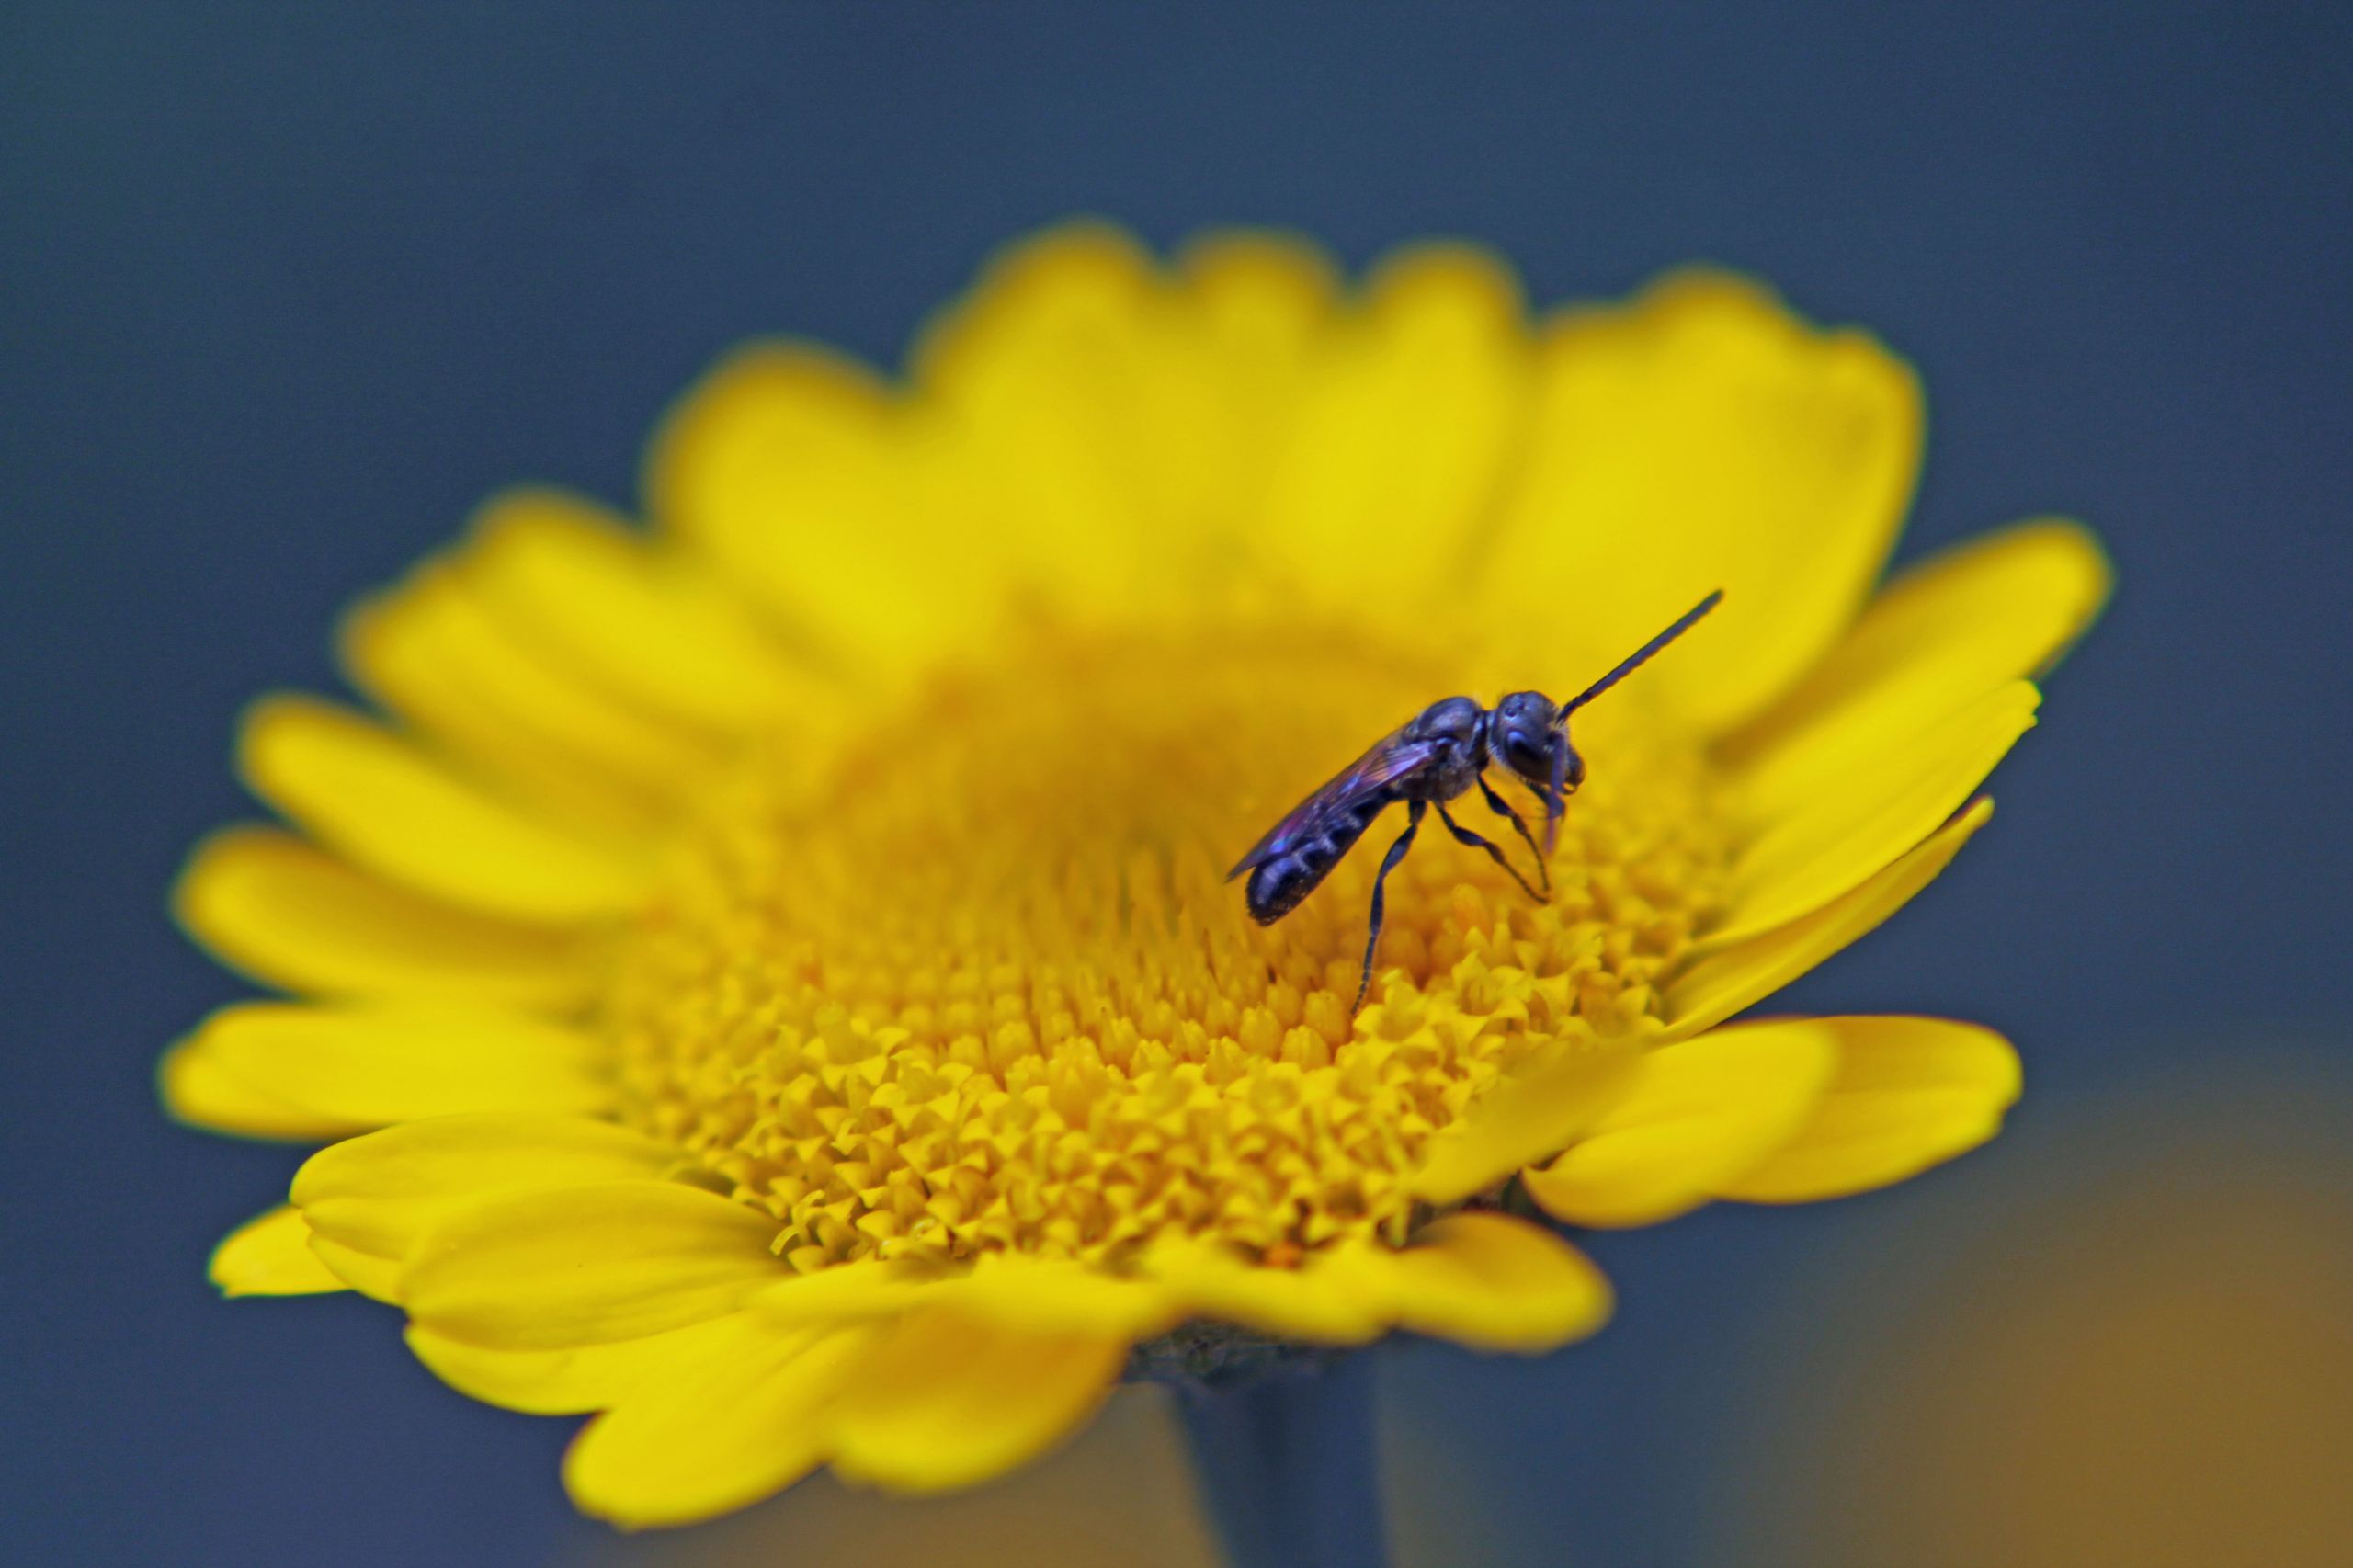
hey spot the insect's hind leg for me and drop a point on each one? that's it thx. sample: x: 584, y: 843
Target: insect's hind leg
x: 1503, y: 808
x: 1388, y: 864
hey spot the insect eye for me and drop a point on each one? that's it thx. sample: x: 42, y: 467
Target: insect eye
x: 1521, y: 755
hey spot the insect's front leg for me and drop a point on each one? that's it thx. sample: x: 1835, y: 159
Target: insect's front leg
x: 1388, y: 863
x: 1503, y: 808
x: 1556, y: 798
x: 1494, y: 851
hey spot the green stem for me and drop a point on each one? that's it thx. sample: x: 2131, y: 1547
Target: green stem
x: 1287, y: 1466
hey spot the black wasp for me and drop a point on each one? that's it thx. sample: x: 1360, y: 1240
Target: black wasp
x: 1440, y: 753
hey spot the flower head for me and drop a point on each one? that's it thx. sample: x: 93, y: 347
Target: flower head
x: 768, y: 977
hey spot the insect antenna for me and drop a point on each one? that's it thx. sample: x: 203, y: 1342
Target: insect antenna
x: 1682, y: 625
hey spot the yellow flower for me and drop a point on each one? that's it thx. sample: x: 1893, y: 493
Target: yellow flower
x: 771, y: 973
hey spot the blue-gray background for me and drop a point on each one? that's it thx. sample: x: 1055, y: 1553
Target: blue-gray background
x: 284, y: 290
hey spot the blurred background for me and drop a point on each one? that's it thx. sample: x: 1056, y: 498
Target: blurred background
x: 284, y: 290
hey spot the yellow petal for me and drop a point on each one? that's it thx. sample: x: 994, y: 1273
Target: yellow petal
x: 1083, y: 410
x: 1046, y: 1295
x: 1490, y: 1282
x: 1697, y: 1114
x: 1872, y: 813
x: 430, y: 651
x: 1520, y: 1119
x: 1909, y: 1093
x: 1089, y: 396
x: 1260, y: 305
x: 1725, y: 982
x: 849, y: 1292
x: 1941, y: 637
x: 357, y: 1067
x: 379, y: 801
x: 588, y: 1264
x: 1409, y: 424
x: 567, y: 1381
x: 378, y: 1194
x: 1049, y: 377
x: 199, y: 1089
x: 1309, y: 1304
x: 738, y: 1417
x: 379, y: 1278
x: 271, y: 905
x: 1702, y: 437
x: 415, y: 677
x: 270, y: 1256
x: 1263, y: 298
x: 788, y: 467
x: 638, y: 620
x: 946, y: 1400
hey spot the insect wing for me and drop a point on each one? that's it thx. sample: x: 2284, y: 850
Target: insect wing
x: 1389, y: 759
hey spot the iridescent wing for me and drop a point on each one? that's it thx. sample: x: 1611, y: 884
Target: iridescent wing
x: 1391, y: 758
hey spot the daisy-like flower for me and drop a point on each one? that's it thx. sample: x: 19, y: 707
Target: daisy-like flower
x: 766, y: 976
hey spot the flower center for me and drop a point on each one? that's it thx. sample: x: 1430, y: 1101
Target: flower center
x: 970, y: 978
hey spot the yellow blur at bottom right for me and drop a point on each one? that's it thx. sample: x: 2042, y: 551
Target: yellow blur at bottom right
x: 2127, y: 1340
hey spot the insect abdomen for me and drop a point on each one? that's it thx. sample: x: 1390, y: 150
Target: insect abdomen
x: 1278, y: 882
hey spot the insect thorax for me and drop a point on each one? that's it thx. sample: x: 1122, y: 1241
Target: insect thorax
x: 1460, y: 726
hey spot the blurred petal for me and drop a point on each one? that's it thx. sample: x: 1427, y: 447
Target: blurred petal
x: 275, y: 907
x: 1073, y: 417
x: 634, y: 617
x: 735, y: 1416
x: 379, y: 1193
x: 1872, y: 813
x: 1941, y: 636
x: 379, y: 1278
x: 946, y: 1400
x: 1260, y: 305
x: 1488, y: 1280
x: 1047, y: 1296
x: 1026, y: 1294
x: 199, y: 1089
x: 588, y: 1264
x: 568, y: 1382
x: 1725, y: 982
x: 1908, y: 1093
x: 1697, y: 1114
x: 433, y: 652
x: 1702, y: 436
x: 270, y: 1256
x: 1309, y: 1303
x: 461, y: 718
x: 365, y: 1067
x: 1263, y: 298
x: 1522, y: 1119
x: 376, y: 799
x: 1410, y: 419
x: 788, y: 467
x: 850, y: 1292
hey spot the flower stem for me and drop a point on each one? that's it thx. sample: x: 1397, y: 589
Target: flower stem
x: 1287, y: 1469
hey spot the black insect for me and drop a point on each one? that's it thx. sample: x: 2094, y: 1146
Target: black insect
x: 1440, y: 753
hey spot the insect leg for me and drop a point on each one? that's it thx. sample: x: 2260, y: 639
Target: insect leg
x: 1388, y: 864
x: 1503, y: 808
x: 1555, y: 798
x: 1494, y: 851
